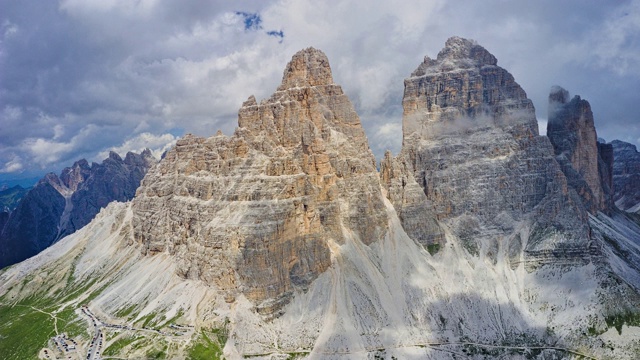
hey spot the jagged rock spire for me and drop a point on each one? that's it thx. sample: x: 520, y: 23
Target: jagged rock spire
x: 457, y: 48
x: 572, y: 133
x: 308, y: 67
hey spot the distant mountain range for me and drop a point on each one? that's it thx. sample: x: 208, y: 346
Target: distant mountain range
x: 29, y: 182
x: 59, y: 205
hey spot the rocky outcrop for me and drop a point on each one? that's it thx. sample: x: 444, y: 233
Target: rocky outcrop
x: 626, y: 176
x: 114, y: 179
x: 471, y: 142
x: 59, y: 205
x: 414, y: 209
x: 258, y: 212
x: 572, y: 133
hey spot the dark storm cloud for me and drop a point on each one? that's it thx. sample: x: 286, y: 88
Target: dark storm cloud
x: 80, y: 77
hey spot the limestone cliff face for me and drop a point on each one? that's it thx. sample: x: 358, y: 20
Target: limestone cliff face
x: 462, y: 88
x: 415, y: 210
x: 572, y: 133
x: 470, y: 141
x: 626, y: 176
x: 258, y: 212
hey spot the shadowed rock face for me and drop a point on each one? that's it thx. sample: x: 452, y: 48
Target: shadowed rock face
x: 470, y: 141
x: 113, y: 180
x: 257, y: 213
x: 626, y: 176
x: 33, y: 225
x: 59, y: 205
x: 572, y: 133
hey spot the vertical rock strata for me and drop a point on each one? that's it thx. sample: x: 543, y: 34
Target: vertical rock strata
x: 605, y: 170
x: 572, y: 133
x: 471, y: 142
x: 258, y: 212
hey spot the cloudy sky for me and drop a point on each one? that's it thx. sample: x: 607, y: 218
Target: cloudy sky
x: 81, y: 77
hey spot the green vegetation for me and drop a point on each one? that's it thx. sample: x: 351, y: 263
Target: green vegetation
x: 69, y: 322
x: 222, y: 334
x: 94, y: 294
x: 23, y: 329
x: 469, y: 244
x: 629, y: 318
x: 433, y: 248
x: 148, y: 320
x: 206, y: 348
x: 70, y: 276
x: 77, y: 292
x: 296, y: 355
x: 156, y: 353
x: 117, y: 346
x: 11, y: 197
x: 125, y: 312
x: 27, y: 324
x: 172, y: 320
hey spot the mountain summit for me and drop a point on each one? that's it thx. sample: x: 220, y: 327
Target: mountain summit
x: 309, y: 67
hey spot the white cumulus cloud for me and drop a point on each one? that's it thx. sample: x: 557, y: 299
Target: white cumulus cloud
x: 13, y: 166
x: 158, y: 144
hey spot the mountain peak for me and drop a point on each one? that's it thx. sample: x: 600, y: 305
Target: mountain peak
x: 457, y: 48
x: 458, y: 53
x: 114, y: 156
x: 571, y: 130
x: 308, y: 67
x: 558, y: 95
x: 464, y: 87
